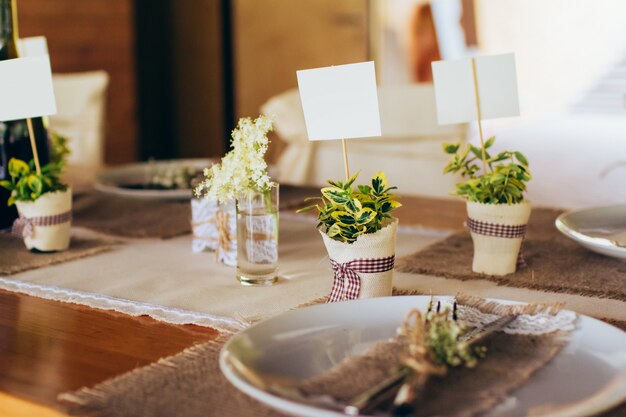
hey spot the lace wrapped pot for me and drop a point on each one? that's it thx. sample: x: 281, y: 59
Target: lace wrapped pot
x: 364, y: 268
x: 497, y: 232
x: 214, y: 227
x: 45, y: 223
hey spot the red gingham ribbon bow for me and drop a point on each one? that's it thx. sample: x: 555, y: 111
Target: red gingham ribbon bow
x: 347, y: 284
x: 24, y: 226
x: 499, y: 230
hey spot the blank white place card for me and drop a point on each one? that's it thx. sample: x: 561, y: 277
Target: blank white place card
x: 26, y: 88
x: 33, y: 46
x: 455, y: 94
x: 340, y: 102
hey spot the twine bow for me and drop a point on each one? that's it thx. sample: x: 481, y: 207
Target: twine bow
x: 221, y: 224
x: 500, y: 230
x: 224, y: 238
x: 347, y: 281
x: 25, y: 226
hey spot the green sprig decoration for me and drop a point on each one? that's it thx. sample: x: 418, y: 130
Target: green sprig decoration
x: 503, y: 183
x: 433, y: 343
x: 346, y: 213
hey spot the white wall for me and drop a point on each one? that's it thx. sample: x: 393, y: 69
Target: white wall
x: 562, y: 46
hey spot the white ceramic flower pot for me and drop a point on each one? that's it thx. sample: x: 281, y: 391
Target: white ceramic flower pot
x: 52, y: 237
x: 381, y: 244
x: 497, y: 255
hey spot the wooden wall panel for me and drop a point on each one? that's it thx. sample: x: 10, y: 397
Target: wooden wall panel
x: 198, y: 78
x: 88, y: 35
x: 275, y: 38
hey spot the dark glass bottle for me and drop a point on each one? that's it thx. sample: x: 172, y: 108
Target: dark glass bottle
x: 14, y: 140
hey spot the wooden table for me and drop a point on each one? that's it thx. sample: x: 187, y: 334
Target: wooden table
x: 49, y: 347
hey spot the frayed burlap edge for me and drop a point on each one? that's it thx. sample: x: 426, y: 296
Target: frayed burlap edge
x: 93, y: 401
x: 492, y: 307
x: 55, y: 258
x: 87, y: 400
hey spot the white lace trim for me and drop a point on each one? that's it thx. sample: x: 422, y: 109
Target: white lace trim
x: 527, y: 324
x: 535, y: 324
x: 133, y: 308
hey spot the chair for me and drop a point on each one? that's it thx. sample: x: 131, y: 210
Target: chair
x: 409, y: 150
x: 81, y: 100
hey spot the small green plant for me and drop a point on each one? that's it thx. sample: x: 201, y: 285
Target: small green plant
x: 26, y: 185
x: 346, y: 213
x: 434, y: 343
x: 503, y: 177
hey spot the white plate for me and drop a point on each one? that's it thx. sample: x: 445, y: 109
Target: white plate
x: 588, y: 376
x: 111, y: 180
x: 600, y: 229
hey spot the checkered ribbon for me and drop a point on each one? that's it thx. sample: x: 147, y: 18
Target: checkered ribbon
x: 347, y: 284
x: 499, y: 230
x: 496, y: 230
x: 24, y: 227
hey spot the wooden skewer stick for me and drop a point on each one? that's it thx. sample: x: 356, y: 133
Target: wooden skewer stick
x: 345, y: 158
x: 480, y: 125
x: 33, y: 145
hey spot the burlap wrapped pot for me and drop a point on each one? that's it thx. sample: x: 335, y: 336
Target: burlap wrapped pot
x: 364, y: 268
x: 497, y: 232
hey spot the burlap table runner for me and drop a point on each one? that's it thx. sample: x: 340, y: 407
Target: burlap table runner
x: 555, y: 263
x: 14, y: 257
x: 190, y: 384
x: 142, y: 218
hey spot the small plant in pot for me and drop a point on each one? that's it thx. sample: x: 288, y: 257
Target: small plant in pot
x: 496, y: 209
x: 360, y: 236
x: 43, y: 201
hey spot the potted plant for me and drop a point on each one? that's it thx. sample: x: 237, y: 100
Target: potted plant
x: 360, y: 236
x: 496, y: 209
x: 43, y: 201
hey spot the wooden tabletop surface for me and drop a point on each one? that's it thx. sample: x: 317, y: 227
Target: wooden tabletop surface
x: 49, y: 347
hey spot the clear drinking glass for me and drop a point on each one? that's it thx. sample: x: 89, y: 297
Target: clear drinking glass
x: 257, y: 237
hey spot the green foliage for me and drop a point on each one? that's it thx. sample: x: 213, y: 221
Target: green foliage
x: 503, y: 183
x: 442, y: 340
x: 27, y: 185
x: 346, y: 213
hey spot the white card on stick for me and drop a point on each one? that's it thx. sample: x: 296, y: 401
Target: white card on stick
x: 456, y: 96
x: 26, y: 88
x: 340, y: 102
x: 32, y: 46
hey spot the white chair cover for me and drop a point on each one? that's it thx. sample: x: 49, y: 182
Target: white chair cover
x: 81, y: 100
x: 409, y: 150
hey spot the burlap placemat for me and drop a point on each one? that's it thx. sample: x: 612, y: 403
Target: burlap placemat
x: 14, y: 257
x: 190, y: 384
x: 555, y: 263
x: 511, y: 361
x: 129, y: 217
x: 141, y: 218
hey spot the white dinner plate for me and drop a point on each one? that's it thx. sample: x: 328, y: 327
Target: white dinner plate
x: 586, y: 377
x: 112, y: 181
x: 600, y: 229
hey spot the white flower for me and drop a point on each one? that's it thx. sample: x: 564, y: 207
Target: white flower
x: 244, y: 167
